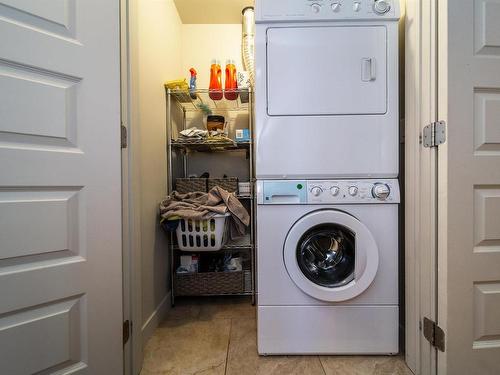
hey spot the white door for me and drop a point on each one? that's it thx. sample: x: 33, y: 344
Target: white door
x: 469, y: 186
x: 60, y: 193
x: 347, y: 65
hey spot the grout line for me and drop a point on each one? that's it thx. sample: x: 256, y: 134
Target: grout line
x: 228, y: 344
x: 321, y: 363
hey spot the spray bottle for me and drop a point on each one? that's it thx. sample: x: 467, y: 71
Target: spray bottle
x: 192, y: 83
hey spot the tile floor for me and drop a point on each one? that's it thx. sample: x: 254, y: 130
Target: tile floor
x: 217, y: 336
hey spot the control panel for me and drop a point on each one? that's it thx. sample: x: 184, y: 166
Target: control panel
x: 310, y: 10
x: 328, y: 192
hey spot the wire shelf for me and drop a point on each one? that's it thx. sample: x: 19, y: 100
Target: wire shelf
x: 244, y: 196
x: 202, y: 98
x: 209, y: 145
x: 183, y: 108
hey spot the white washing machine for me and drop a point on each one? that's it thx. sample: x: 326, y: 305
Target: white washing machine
x: 326, y: 89
x: 327, y: 267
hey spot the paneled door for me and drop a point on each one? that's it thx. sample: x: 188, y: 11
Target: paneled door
x: 60, y: 188
x: 469, y: 186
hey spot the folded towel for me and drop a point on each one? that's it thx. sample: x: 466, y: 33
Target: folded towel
x: 203, y: 206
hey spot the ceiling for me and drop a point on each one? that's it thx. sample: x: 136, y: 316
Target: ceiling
x: 211, y: 11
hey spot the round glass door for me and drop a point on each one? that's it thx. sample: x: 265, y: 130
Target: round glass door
x: 326, y: 254
x: 331, y: 255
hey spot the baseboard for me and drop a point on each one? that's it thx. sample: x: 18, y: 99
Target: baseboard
x: 155, y: 319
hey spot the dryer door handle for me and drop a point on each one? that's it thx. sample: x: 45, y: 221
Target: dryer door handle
x: 368, y: 69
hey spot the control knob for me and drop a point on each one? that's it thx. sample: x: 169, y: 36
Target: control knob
x: 316, y: 8
x: 336, y: 7
x: 334, y: 190
x: 353, y: 191
x: 316, y: 191
x: 381, y: 6
x: 381, y: 191
x: 356, y: 6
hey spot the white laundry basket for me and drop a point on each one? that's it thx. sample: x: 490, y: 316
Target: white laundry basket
x: 202, y: 235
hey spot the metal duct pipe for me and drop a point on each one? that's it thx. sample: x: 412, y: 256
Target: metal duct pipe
x: 248, y: 42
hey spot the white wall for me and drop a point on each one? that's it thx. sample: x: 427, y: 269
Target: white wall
x: 202, y: 43
x: 163, y: 49
x: 157, y: 50
x: 211, y: 11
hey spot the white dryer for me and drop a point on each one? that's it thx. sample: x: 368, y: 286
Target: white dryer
x: 326, y: 89
x: 327, y: 267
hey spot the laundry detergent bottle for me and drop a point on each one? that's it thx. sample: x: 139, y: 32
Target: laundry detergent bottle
x: 215, y: 88
x: 231, y: 84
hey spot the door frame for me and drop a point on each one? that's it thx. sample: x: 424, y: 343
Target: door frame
x: 421, y: 183
x: 420, y: 82
x: 131, y: 190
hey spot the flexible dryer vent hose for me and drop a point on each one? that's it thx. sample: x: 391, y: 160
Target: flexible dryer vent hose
x: 248, y: 42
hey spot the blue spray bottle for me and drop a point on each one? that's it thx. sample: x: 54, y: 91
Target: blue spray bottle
x: 192, y: 83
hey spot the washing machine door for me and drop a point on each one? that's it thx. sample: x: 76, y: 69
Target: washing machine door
x: 330, y: 255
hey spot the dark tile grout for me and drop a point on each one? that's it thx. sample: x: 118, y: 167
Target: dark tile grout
x: 228, y: 344
x: 321, y: 363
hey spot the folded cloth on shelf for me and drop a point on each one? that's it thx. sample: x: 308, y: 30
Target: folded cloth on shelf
x: 203, y: 206
x: 194, y: 135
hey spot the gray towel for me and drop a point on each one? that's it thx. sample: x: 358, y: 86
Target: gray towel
x: 203, y: 206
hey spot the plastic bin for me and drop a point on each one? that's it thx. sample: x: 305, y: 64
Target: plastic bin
x: 202, y: 235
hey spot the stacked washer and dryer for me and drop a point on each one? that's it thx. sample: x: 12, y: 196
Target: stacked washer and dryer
x: 327, y: 140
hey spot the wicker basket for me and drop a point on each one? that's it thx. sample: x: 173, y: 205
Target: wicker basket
x: 188, y: 185
x: 228, y: 183
x: 209, y: 283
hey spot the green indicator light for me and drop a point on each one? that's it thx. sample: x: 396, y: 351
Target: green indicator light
x: 299, y: 186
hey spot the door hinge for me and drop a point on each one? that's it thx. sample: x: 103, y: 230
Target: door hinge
x: 123, y: 136
x: 434, y: 134
x: 434, y: 334
x: 127, y: 329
